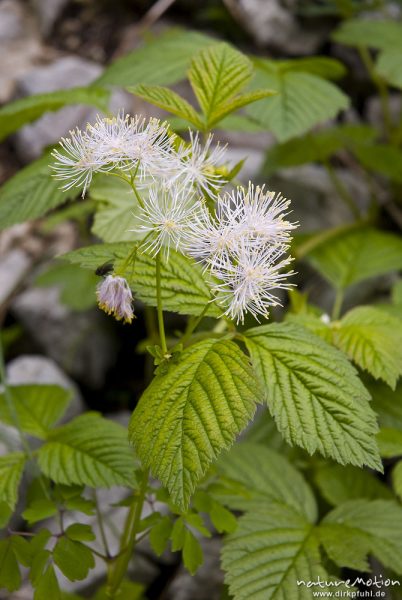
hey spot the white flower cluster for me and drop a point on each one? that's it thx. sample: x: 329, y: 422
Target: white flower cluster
x: 241, y: 237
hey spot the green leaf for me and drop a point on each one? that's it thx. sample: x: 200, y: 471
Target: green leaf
x: 162, y: 61
x: 90, y: 451
x: 48, y: 586
x: 369, y: 527
x: 390, y: 442
x: 31, y: 193
x: 268, y: 477
x: 371, y: 33
x: 222, y: 519
x: 10, y: 576
x: 304, y: 100
x: 356, y: 255
x: 192, y: 552
x: 271, y: 550
x: 371, y: 338
x: 338, y: 484
x: 397, y: 479
x: 322, y: 66
x: 20, y: 112
x: 78, y: 287
x: 92, y: 257
x: 389, y: 66
x: 38, y: 510
x: 387, y: 404
x: 217, y: 74
x: 239, y: 101
x: 73, y: 559
x: 168, y: 100
x: 11, y: 469
x: 314, y: 394
x: 160, y: 534
x: 186, y: 417
x: 38, y: 407
x: 80, y: 533
x: 129, y: 590
x: 381, y: 158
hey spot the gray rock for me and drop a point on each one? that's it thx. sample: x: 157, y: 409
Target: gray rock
x: 48, y: 11
x: 80, y: 342
x: 14, y: 266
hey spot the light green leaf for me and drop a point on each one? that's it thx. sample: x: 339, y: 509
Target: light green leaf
x: 48, y: 586
x: 381, y: 158
x: 80, y: 533
x: 239, y: 101
x: 369, y: 33
x: 339, y: 484
x: 38, y: 510
x: 372, y: 339
x: 187, y: 417
x: 267, y: 477
x: 16, y: 114
x: 368, y: 527
x: 168, y: 100
x: 38, y: 407
x: 162, y: 61
x: 322, y: 66
x: 73, y: 559
x: 356, y: 255
x: 314, y: 394
x: 271, y: 550
x: 397, y: 479
x: 389, y: 66
x: 304, y: 100
x: 390, y: 442
x: 97, y: 255
x: 192, y: 552
x: 90, y: 451
x: 78, y: 287
x: 31, y: 193
x: 217, y: 74
x: 222, y: 519
x: 397, y: 293
x: 11, y: 469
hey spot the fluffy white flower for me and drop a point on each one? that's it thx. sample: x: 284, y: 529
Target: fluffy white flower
x: 166, y: 212
x: 198, y: 165
x: 249, y: 278
x: 115, y: 298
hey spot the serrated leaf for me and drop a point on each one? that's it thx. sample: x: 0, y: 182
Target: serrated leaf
x: 162, y: 61
x: 217, y: 74
x: 236, y: 103
x: 371, y: 338
x: 389, y: 66
x: 222, y: 519
x: 48, y: 586
x: 92, y: 257
x: 187, y: 417
x: 371, y: 33
x: 10, y: 576
x: 11, y: 469
x: 304, y: 100
x: 25, y: 110
x: 271, y: 550
x: 356, y: 255
x: 31, y: 193
x: 168, y: 100
x: 375, y: 525
x: 192, y: 552
x: 38, y: 510
x: 80, y: 533
x: 38, y: 407
x: 73, y: 559
x: 390, y: 442
x: 314, y: 394
x: 397, y: 479
x: 268, y: 477
x: 339, y: 484
x: 90, y: 451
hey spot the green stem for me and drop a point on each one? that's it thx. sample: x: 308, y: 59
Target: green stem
x: 342, y: 191
x: 159, y: 305
x: 189, y: 331
x: 381, y: 87
x: 128, y: 540
x: 336, y: 309
x: 101, y: 525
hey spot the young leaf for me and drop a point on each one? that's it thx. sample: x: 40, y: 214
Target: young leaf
x: 314, y: 394
x: 48, y: 586
x: 390, y: 442
x: 25, y: 110
x: 73, y: 559
x: 168, y: 100
x: 239, y: 101
x: 192, y: 552
x: 356, y: 255
x: 304, y: 100
x: 38, y: 407
x: 268, y: 477
x: 217, y: 74
x: 31, y: 193
x: 373, y: 527
x: 90, y: 451
x: 186, y: 417
x: 11, y: 469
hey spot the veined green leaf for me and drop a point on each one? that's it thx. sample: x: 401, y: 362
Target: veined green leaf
x: 168, y: 100
x: 236, y: 103
x: 16, y: 114
x: 390, y: 442
x: 304, y: 100
x: 73, y: 559
x: 397, y: 479
x: 162, y: 61
x: 381, y: 158
x: 186, y: 417
x: 90, y: 451
x: 31, y: 193
x: 387, y: 404
x: 77, y: 286
x: 389, y: 66
x: 10, y: 576
x: 217, y: 74
x: 364, y: 527
x: 373, y: 33
x: 371, y: 338
x: 356, y: 255
x: 314, y: 394
x: 11, y: 469
x: 322, y: 66
x: 267, y: 477
x: 38, y: 407
x: 92, y: 257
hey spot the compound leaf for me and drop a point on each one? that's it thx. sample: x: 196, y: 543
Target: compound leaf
x: 11, y: 469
